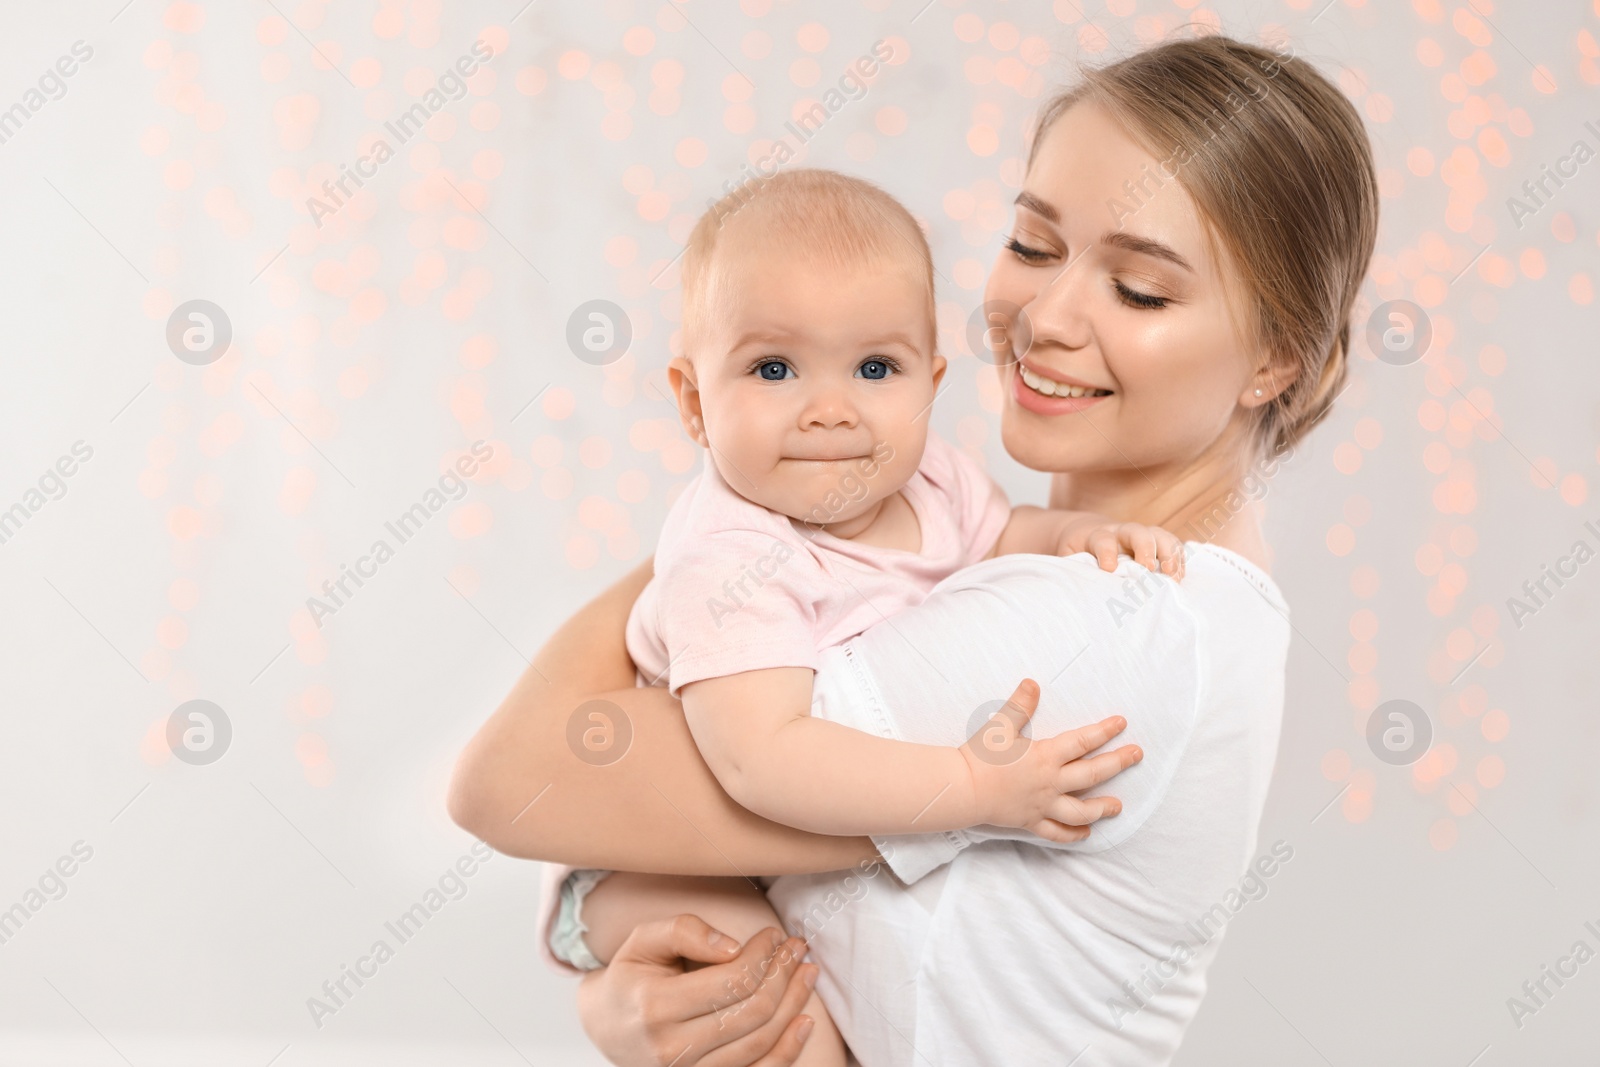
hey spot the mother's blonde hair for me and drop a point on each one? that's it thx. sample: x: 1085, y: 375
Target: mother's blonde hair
x: 1279, y: 164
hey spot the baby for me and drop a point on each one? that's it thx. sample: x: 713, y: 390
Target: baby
x: 808, y: 374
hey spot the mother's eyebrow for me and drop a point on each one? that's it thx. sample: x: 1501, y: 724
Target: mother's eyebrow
x: 1116, y: 238
x: 1037, y: 206
x: 1145, y: 246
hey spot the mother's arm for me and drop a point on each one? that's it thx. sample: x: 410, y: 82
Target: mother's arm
x: 520, y: 786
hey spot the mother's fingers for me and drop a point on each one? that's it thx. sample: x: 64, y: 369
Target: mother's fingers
x: 762, y: 968
x: 779, y: 1040
x: 682, y: 937
x: 790, y: 1045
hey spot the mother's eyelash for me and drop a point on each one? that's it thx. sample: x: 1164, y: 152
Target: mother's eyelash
x: 1137, y: 299
x: 1023, y: 252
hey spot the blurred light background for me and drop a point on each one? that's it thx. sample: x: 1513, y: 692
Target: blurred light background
x: 193, y: 154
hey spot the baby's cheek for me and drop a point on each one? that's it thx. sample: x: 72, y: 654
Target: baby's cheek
x: 743, y: 430
x: 890, y: 474
x: 906, y: 441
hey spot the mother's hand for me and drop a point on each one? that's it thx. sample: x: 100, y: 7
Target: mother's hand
x: 646, y: 1010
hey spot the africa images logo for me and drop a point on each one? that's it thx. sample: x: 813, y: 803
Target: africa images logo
x: 451, y: 486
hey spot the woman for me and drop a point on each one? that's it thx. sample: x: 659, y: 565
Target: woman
x: 1192, y: 230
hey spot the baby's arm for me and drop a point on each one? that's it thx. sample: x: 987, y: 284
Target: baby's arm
x: 757, y: 736
x: 1051, y: 532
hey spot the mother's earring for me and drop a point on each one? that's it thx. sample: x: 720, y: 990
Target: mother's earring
x: 1258, y: 392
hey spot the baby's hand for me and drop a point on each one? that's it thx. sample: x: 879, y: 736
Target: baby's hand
x: 1150, y: 546
x: 1018, y: 781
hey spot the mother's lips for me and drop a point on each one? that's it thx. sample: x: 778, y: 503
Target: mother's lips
x: 1030, y: 399
x: 1050, y: 385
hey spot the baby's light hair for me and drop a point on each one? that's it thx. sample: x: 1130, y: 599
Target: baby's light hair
x: 819, y: 216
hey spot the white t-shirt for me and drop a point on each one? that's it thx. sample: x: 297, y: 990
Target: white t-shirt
x: 993, y: 946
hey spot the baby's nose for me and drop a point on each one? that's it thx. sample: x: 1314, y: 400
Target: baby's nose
x: 829, y: 408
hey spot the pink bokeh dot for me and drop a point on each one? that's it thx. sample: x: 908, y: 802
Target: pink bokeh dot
x: 559, y: 403
x: 582, y: 552
x: 1341, y: 539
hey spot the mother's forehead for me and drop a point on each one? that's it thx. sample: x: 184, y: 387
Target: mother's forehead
x: 1088, y: 136
x: 1090, y: 176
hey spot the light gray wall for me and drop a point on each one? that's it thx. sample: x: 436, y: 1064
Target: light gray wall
x: 370, y: 352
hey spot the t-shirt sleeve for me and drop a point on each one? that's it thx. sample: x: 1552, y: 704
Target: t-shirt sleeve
x: 1127, y: 643
x: 978, y: 502
x: 736, y: 601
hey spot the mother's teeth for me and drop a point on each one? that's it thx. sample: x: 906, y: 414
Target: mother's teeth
x: 1051, y: 387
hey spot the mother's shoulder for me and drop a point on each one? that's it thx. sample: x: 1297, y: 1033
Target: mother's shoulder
x: 1214, y: 582
x: 1130, y: 613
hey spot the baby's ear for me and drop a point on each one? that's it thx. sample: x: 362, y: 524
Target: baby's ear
x: 680, y: 376
x: 939, y: 365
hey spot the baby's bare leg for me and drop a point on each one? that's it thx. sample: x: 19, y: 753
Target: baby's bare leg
x: 624, y: 900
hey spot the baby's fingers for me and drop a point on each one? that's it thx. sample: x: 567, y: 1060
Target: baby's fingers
x: 1083, y: 773
x: 1075, y: 811
x: 1074, y: 743
x: 1105, y: 546
x: 997, y: 736
x: 1140, y: 542
x: 1170, y: 549
x: 1024, y: 701
x: 1058, y: 832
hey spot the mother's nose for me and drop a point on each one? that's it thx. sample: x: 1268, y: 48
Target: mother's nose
x: 1059, y: 312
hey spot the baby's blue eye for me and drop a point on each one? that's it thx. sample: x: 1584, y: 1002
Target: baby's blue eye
x: 873, y: 368
x: 774, y: 370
